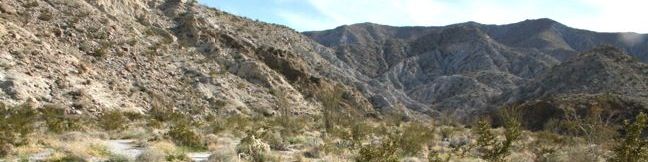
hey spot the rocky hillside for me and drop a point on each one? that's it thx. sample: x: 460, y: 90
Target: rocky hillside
x: 600, y: 70
x: 88, y: 56
x: 614, y: 87
x: 132, y: 55
x: 472, y: 66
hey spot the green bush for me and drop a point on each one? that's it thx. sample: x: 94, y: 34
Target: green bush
x: 331, y: 106
x: 183, y: 134
x: 69, y: 158
x: 253, y: 149
x: 133, y: 116
x: 57, y: 120
x: 163, y: 112
x: 414, y: 137
x: 178, y: 157
x: 633, y: 147
x: 15, y: 124
x: 275, y: 140
x: 217, y: 125
x: 113, y: 120
x: 591, y: 125
x: 359, y: 132
x: 387, y: 151
x: 489, y: 147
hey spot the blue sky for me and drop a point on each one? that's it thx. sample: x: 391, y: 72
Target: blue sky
x: 306, y: 15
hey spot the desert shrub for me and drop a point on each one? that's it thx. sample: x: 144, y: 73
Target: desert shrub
x: 217, y: 126
x: 330, y: 101
x: 313, y: 152
x: 275, y: 140
x: 30, y: 4
x: 489, y: 147
x: 486, y: 138
x: 183, y: 134
x: 633, y: 147
x: 133, y: 116
x: 415, y: 135
x: 153, y: 123
x: 592, y: 126
x: 238, y: 123
x: 292, y: 124
x: 446, y: 132
x: 113, y: 120
x: 252, y: 148
x: 68, y: 158
x: 386, y: 151
x: 100, y: 52
x: 574, y: 153
x: 435, y: 156
x: 16, y: 123
x: 178, y: 157
x: 57, y: 120
x: 460, y: 146
x: 359, y: 132
x: 45, y: 15
x: 546, y: 143
x: 5, y: 149
x: 163, y: 112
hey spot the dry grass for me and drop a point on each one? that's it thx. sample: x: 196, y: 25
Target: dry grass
x: 165, y: 150
x: 77, y: 145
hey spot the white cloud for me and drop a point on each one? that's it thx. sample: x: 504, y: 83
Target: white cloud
x: 598, y: 15
x: 616, y: 16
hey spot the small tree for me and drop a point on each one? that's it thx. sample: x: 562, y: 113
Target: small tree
x: 632, y: 147
x: 492, y: 149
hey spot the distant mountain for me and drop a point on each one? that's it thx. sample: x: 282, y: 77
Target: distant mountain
x: 603, y: 81
x: 600, y: 70
x: 471, y: 66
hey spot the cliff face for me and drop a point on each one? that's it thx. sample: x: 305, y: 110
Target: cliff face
x: 131, y: 55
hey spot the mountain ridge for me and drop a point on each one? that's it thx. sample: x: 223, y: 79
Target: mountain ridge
x: 462, y: 60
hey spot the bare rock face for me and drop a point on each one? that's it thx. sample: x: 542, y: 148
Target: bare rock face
x: 132, y: 55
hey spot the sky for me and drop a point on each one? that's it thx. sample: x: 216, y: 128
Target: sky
x: 309, y: 15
